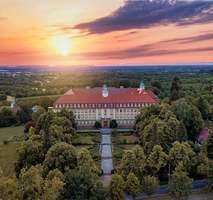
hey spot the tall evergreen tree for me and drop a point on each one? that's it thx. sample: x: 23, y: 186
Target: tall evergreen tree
x: 175, y: 92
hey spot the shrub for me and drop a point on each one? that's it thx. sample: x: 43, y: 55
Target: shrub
x: 113, y: 124
x: 5, y: 142
x: 97, y: 124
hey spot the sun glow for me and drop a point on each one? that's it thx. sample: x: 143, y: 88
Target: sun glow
x: 62, y: 45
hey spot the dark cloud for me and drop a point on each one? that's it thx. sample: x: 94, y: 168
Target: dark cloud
x: 186, y: 40
x: 147, y: 50
x: 136, y: 14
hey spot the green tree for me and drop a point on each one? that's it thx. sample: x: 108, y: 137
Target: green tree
x: 56, y: 134
x: 149, y: 184
x: 45, y: 121
x: 30, y: 152
x: 34, y: 186
x: 190, y: 116
x: 113, y: 124
x: 181, y: 184
x: 162, y: 131
x: 204, y: 107
x: 7, y: 117
x: 31, y: 182
x: 65, y: 123
x: 9, y: 189
x: 133, y: 161
x: 69, y: 115
x: 132, y: 185
x: 60, y: 156
x: 84, y: 158
x: 24, y: 114
x: 182, y: 152
x: 157, y: 159
x: 146, y: 115
x: 97, y: 124
x: 117, y: 187
x: 37, y: 113
x: 82, y: 183
x: 157, y: 88
x: 175, y: 92
x: 53, y: 185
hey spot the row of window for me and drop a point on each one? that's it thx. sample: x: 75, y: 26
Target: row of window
x: 101, y: 105
x: 126, y: 113
x: 111, y: 111
x: 91, y: 123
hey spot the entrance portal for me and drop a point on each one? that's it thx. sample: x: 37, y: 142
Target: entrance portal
x: 105, y: 123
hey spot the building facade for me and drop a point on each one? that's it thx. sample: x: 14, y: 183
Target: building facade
x: 105, y: 104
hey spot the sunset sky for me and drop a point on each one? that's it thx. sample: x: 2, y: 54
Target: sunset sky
x: 105, y: 32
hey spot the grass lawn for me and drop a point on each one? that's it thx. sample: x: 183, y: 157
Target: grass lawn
x: 86, y: 139
x: 9, y: 132
x: 8, y: 153
x: 124, y: 138
x: 8, y: 156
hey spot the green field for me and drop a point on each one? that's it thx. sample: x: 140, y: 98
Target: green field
x: 8, y: 151
x: 8, y: 156
x: 9, y: 133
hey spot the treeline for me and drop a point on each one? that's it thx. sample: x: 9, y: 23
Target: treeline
x: 41, y: 84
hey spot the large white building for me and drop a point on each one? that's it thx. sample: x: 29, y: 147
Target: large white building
x: 104, y: 104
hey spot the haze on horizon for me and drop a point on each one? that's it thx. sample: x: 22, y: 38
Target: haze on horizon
x: 96, y: 32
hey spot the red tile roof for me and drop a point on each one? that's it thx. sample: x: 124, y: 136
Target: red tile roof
x: 116, y: 95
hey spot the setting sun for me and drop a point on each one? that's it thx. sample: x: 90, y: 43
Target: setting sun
x: 62, y: 45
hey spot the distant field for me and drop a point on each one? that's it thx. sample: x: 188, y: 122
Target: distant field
x: 9, y: 132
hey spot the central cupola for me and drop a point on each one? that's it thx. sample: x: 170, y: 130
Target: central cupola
x: 105, y: 92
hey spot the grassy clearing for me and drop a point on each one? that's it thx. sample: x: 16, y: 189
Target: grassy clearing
x: 10, y: 133
x: 86, y: 139
x: 8, y: 156
x: 124, y: 138
x: 8, y: 151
